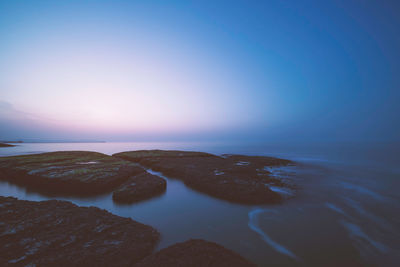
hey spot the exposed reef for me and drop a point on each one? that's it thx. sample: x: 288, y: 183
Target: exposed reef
x: 140, y: 187
x: 68, y: 172
x: 59, y: 233
x: 5, y: 145
x: 236, y: 178
x: 197, y: 253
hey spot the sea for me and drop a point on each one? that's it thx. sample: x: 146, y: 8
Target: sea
x: 344, y: 210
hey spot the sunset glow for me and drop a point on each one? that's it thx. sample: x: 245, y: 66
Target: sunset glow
x: 122, y: 69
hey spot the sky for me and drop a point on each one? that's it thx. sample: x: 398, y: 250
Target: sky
x: 200, y: 70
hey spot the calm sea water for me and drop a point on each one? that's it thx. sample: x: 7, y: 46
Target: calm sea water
x: 346, y: 211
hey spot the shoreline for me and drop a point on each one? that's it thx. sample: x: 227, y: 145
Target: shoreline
x: 235, y: 178
x: 66, y: 234
x: 36, y: 167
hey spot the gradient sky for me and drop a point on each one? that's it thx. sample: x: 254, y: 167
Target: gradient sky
x: 138, y: 70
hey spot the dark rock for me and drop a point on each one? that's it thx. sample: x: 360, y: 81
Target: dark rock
x: 197, y: 253
x: 68, y: 172
x: 140, y: 187
x: 235, y: 178
x: 5, y: 145
x: 59, y: 233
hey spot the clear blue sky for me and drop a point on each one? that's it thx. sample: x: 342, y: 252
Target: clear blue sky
x: 126, y: 70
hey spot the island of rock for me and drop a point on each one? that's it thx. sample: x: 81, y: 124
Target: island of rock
x: 139, y: 187
x: 5, y: 145
x: 236, y: 178
x: 68, y: 172
x: 59, y: 233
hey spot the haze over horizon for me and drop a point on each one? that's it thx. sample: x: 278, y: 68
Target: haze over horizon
x: 209, y: 70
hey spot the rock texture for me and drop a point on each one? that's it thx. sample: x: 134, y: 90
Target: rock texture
x: 241, y: 179
x: 236, y: 178
x: 140, y: 187
x: 195, y: 253
x: 58, y: 233
x: 68, y: 172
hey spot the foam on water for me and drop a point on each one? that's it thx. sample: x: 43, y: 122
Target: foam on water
x: 356, y: 233
x: 254, y: 225
x: 362, y: 190
x: 370, y: 216
x: 281, y: 172
x: 281, y: 190
x: 334, y: 208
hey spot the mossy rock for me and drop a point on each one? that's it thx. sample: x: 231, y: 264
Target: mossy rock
x: 236, y: 178
x: 69, y: 172
x: 140, y: 187
x: 59, y: 233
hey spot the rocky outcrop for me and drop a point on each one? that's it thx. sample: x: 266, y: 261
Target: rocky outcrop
x: 241, y: 179
x: 196, y: 253
x: 59, y: 233
x: 5, y: 145
x: 140, y: 187
x: 67, y: 172
x: 156, y: 153
x: 236, y: 178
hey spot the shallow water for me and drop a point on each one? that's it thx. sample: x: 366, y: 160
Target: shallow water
x: 345, y: 212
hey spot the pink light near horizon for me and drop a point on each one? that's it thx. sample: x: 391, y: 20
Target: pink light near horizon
x: 120, y: 84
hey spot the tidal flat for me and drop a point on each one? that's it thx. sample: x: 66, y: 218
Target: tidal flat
x: 342, y: 202
x: 235, y: 178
